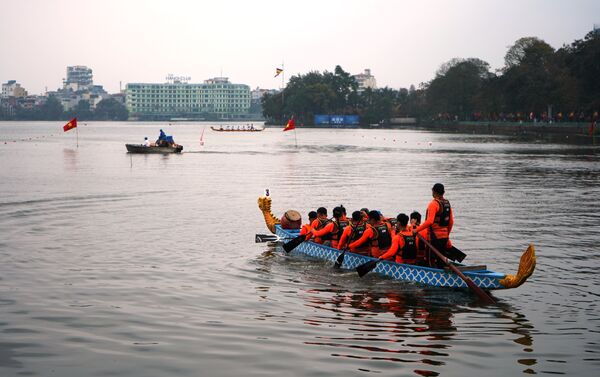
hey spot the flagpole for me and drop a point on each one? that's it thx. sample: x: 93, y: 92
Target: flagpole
x: 295, y: 138
x: 77, y: 133
x: 282, y: 81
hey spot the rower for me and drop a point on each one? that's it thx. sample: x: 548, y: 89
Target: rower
x: 415, y: 221
x: 438, y: 221
x: 353, y: 232
x: 320, y: 223
x: 306, y: 228
x: 331, y: 233
x: 146, y: 142
x: 379, y: 234
x: 404, y: 245
x: 365, y: 213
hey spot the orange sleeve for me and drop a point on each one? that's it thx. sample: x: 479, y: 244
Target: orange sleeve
x: 432, y: 209
x: 314, y: 224
x: 365, y: 237
x: 344, y: 237
x: 397, y: 243
x: 305, y: 229
x: 326, y: 230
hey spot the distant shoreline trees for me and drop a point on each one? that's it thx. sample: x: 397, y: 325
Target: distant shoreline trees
x: 537, y: 82
x: 52, y: 109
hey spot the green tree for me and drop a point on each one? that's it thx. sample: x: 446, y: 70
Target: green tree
x: 110, y: 109
x: 52, y: 109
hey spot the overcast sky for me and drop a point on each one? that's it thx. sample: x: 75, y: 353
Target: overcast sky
x: 403, y: 42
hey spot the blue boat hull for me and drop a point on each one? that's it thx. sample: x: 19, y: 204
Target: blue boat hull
x: 485, y: 279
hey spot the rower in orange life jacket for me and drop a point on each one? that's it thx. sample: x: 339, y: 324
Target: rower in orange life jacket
x: 307, y: 228
x: 353, y: 232
x: 439, y: 220
x: 332, y: 232
x: 379, y: 234
x: 415, y: 221
x: 321, y: 222
x: 365, y: 214
x: 404, y: 244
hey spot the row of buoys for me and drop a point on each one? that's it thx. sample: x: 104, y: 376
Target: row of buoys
x: 405, y: 142
x: 28, y: 139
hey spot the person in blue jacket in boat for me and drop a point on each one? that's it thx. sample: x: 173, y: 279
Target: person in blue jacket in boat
x: 164, y: 140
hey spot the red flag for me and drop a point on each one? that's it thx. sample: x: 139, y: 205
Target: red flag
x: 69, y: 126
x: 290, y: 125
x: 591, y: 129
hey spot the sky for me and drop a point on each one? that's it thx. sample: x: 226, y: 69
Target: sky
x: 402, y: 42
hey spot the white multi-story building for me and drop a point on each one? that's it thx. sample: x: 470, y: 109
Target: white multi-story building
x: 365, y: 80
x: 13, y: 89
x: 216, y: 97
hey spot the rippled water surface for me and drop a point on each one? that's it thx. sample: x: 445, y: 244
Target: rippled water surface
x: 145, y: 265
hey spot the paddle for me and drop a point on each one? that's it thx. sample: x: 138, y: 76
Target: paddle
x: 478, y: 291
x: 291, y: 245
x: 456, y: 254
x: 365, y: 268
x: 340, y: 260
x: 265, y: 238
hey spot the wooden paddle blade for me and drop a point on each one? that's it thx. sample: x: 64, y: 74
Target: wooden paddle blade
x: 456, y: 255
x: 364, y: 269
x: 340, y: 260
x: 289, y: 246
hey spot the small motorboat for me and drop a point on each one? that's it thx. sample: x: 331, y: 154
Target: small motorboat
x: 141, y: 148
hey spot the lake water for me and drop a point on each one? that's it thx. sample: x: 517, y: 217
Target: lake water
x: 145, y: 265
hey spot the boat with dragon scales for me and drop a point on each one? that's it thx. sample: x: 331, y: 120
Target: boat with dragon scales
x: 480, y: 275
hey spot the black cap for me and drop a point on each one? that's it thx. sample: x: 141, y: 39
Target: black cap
x: 438, y: 188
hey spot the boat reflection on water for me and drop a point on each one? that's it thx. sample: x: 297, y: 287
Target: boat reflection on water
x: 381, y: 325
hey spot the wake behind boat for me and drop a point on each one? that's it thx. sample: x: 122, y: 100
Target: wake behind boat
x: 437, y: 277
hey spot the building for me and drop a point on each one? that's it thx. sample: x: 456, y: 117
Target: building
x: 258, y: 93
x: 79, y: 77
x: 13, y: 89
x: 365, y: 80
x: 216, y: 98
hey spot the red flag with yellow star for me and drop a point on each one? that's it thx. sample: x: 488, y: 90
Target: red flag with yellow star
x: 290, y: 125
x: 69, y: 126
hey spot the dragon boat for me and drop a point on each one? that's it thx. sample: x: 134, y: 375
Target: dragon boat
x: 480, y: 275
x: 239, y: 129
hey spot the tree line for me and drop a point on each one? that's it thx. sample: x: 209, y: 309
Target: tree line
x: 52, y: 109
x: 537, y: 82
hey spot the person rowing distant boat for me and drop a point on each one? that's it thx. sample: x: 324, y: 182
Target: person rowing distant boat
x: 439, y: 220
x: 379, y: 234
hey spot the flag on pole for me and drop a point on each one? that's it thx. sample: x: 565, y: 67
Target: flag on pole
x: 278, y: 71
x: 290, y: 125
x: 591, y: 129
x: 69, y: 126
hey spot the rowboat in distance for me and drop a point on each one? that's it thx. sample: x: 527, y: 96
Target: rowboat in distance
x: 237, y: 129
x: 140, y: 148
x: 480, y: 275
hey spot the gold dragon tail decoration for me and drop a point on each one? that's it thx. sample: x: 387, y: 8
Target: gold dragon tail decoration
x: 264, y: 203
x: 526, y: 267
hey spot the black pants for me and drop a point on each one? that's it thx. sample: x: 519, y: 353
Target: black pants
x: 440, y: 245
